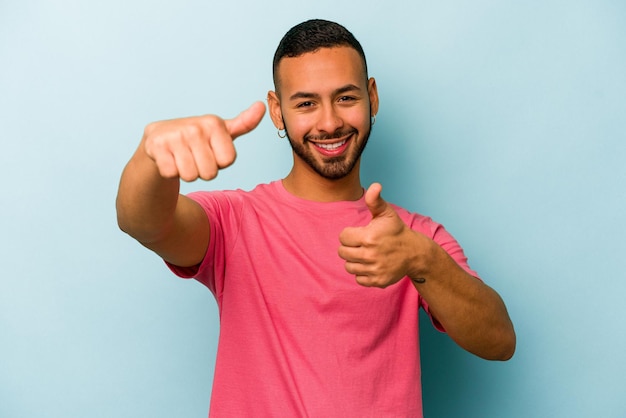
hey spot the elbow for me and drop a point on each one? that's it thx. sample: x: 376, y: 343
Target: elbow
x: 122, y: 221
x: 130, y: 222
x: 506, y: 353
x: 135, y: 230
x: 505, y: 347
x: 145, y: 233
x: 510, y: 347
x: 499, y: 345
x: 127, y: 224
x: 509, y: 342
x: 123, y: 226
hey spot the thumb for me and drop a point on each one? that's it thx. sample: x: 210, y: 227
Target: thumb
x: 376, y: 204
x: 246, y: 121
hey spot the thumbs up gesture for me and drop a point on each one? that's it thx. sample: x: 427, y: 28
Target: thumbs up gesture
x: 197, y: 147
x: 380, y: 253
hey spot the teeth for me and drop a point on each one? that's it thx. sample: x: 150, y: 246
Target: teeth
x: 331, y: 146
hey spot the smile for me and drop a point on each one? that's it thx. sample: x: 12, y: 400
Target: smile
x: 331, y: 147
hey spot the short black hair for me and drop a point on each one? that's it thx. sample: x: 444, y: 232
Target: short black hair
x: 312, y: 35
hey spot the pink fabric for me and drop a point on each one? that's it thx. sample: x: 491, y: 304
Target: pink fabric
x: 298, y: 336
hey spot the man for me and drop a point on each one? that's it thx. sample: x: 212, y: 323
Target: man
x: 318, y: 281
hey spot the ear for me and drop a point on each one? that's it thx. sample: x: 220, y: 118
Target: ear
x: 373, y: 93
x: 273, y: 103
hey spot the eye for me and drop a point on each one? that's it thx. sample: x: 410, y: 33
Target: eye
x: 304, y: 104
x: 346, y: 99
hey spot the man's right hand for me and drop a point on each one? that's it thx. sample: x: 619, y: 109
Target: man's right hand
x: 149, y: 207
x: 197, y: 147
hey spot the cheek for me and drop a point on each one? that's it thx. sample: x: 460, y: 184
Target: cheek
x: 359, y: 120
x: 299, y: 126
x: 358, y: 115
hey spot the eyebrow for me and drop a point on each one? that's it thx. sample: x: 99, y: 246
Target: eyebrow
x: 305, y: 95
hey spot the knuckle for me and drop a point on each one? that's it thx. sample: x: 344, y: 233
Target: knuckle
x: 363, y: 281
x: 149, y: 128
x: 192, y: 131
x: 188, y: 175
x: 209, y: 173
x: 226, y: 157
x: 369, y: 239
x: 212, y: 122
x: 167, y: 170
x: 379, y: 282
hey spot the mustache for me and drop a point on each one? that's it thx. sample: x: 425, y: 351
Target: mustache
x: 334, y: 135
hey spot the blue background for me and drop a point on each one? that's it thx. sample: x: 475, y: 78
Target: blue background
x: 503, y: 120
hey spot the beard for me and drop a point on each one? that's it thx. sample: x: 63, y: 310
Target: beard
x: 330, y: 168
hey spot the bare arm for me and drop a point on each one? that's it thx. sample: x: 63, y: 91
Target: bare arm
x: 471, y: 312
x: 149, y: 206
x: 383, y: 252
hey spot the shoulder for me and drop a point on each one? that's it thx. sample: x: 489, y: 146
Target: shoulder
x: 236, y: 198
x: 438, y: 233
x: 427, y: 226
x: 418, y: 222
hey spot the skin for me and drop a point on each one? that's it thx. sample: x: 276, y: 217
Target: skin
x: 325, y: 110
x: 318, y: 113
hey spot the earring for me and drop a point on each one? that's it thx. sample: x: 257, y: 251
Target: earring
x: 284, y: 135
x: 373, y: 120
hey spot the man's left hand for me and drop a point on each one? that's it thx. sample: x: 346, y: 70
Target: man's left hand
x: 381, y: 253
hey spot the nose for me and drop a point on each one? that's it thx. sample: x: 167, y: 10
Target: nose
x: 329, y: 119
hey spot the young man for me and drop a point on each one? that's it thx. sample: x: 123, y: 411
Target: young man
x: 318, y: 281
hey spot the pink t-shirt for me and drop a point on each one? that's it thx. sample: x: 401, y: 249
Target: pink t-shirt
x: 298, y: 336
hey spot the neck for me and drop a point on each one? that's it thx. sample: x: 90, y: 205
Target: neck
x: 306, y: 184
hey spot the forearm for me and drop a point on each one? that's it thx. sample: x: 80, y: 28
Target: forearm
x: 471, y: 312
x: 146, y: 201
x: 149, y: 205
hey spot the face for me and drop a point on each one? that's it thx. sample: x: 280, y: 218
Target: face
x: 325, y: 103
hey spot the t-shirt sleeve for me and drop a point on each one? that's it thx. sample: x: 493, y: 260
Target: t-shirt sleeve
x: 223, y: 211
x: 446, y: 241
x: 442, y: 237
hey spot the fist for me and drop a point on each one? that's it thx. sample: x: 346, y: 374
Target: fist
x: 379, y: 253
x: 198, y: 147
